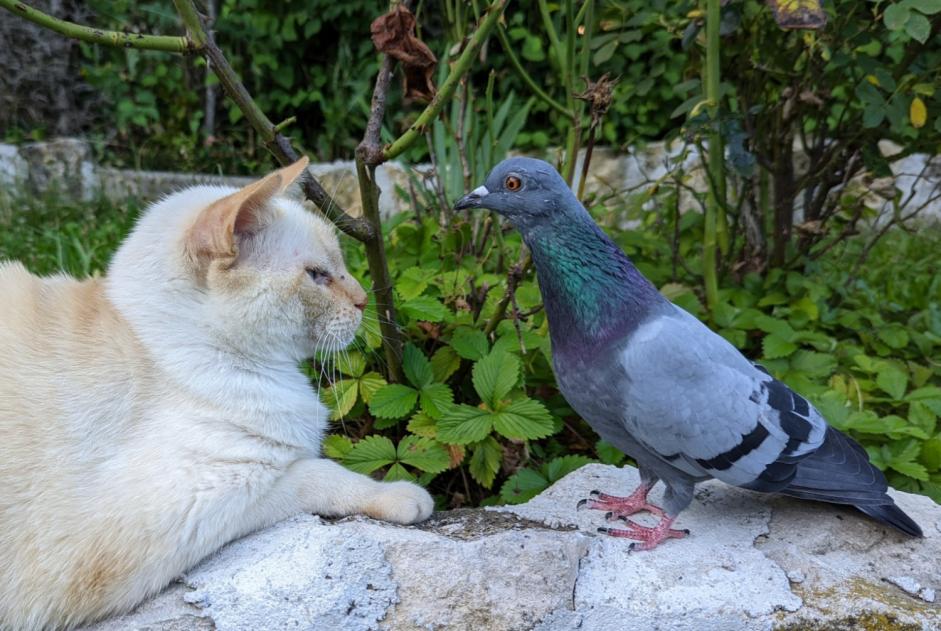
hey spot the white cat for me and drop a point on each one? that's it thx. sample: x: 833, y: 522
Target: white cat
x: 151, y: 416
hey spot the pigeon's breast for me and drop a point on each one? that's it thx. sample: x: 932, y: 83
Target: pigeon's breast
x: 594, y: 385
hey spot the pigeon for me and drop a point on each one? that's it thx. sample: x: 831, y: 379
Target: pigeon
x: 661, y: 386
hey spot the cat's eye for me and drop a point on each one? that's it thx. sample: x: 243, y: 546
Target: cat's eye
x: 319, y: 276
x: 513, y: 183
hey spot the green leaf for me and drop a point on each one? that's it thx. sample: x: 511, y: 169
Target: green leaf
x: 895, y: 16
x: 560, y: 467
x: 894, y: 336
x: 873, y: 115
x: 393, y: 401
x: 351, y: 364
x: 919, y: 28
x: 892, y: 381
x: 524, y: 419
x: 813, y: 364
x: 464, y: 424
x: 928, y: 7
x: 336, y: 446
x: 369, y: 384
x: 398, y: 472
x: 436, y: 399
x: 931, y: 453
x: 423, y: 453
x: 911, y: 469
x: 412, y: 282
x: 522, y: 486
x: 424, y: 308
x: 485, y: 461
x: 369, y: 454
x: 773, y: 346
x: 775, y: 326
x: 495, y: 375
x: 605, y: 53
x: 470, y: 343
x: 423, y: 425
x: 608, y: 453
x: 341, y: 397
x: 416, y: 366
x: 444, y: 363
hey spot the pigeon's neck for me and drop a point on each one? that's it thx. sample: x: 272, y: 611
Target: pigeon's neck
x: 593, y: 294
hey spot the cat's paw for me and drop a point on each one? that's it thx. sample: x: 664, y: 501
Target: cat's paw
x: 401, y: 502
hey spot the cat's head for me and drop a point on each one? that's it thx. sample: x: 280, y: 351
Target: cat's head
x: 253, y: 270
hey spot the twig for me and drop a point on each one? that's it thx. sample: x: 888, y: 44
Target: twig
x: 276, y: 143
x: 164, y: 43
x: 512, y: 280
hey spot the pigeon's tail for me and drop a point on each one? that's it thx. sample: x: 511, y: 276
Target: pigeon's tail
x: 892, y: 515
x: 839, y: 472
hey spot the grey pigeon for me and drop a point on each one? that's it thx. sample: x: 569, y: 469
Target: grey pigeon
x: 661, y: 386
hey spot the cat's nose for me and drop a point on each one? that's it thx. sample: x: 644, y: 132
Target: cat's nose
x: 361, y: 305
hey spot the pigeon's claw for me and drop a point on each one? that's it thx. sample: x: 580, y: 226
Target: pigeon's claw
x: 621, y: 506
x: 649, y: 538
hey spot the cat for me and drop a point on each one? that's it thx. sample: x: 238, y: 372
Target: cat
x: 150, y: 416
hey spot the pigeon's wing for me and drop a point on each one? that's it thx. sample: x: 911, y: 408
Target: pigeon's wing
x: 692, y: 395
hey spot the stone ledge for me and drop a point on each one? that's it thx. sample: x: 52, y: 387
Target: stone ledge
x: 752, y: 562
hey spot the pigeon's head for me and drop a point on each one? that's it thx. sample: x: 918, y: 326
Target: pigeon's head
x: 526, y: 191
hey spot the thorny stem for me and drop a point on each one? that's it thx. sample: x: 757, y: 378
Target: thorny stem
x: 164, y: 43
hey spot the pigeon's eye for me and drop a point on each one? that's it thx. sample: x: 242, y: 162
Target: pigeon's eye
x: 513, y: 183
x: 319, y: 276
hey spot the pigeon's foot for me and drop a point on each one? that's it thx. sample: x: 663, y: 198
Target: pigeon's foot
x: 621, y: 506
x: 649, y: 538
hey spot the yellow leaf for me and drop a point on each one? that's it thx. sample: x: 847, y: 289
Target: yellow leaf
x: 798, y: 14
x: 918, y: 113
x: 871, y: 78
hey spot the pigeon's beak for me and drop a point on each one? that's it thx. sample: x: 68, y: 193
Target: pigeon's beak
x: 473, y: 199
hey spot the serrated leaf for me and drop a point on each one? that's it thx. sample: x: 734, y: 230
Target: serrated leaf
x: 336, y: 446
x: 813, y: 364
x: 436, y: 399
x: 524, y: 419
x: 340, y: 397
x: 424, y: 308
x: 775, y: 326
x: 463, y: 424
x: 773, y: 346
x: 918, y: 113
x: 522, y: 486
x: 495, y: 375
x: 423, y: 453
x: 608, y: 453
x: 560, y: 467
x: 485, y: 461
x: 470, y: 343
x: 369, y: 454
x: 444, y: 363
x: 931, y: 453
x: 423, y: 425
x: 398, y: 472
x: 351, y: 364
x: 416, y: 366
x: 911, y: 469
x: 894, y: 336
x: 412, y: 282
x: 892, y: 381
x: 393, y: 401
x: 369, y: 384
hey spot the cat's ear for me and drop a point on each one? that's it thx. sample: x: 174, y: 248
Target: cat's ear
x: 244, y: 212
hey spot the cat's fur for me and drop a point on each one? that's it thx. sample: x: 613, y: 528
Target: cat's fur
x: 151, y: 416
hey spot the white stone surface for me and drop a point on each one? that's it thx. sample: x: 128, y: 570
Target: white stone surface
x: 752, y: 562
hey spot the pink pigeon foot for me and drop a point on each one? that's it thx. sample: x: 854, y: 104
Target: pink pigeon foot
x: 649, y: 538
x: 622, y: 506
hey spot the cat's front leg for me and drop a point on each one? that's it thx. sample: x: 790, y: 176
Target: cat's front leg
x: 326, y: 488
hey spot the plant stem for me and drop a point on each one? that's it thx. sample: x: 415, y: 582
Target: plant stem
x: 368, y: 153
x: 276, y: 143
x: 715, y: 163
x: 512, y: 280
x: 446, y: 89
x: 526, y: 77
x: 164, y: 43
